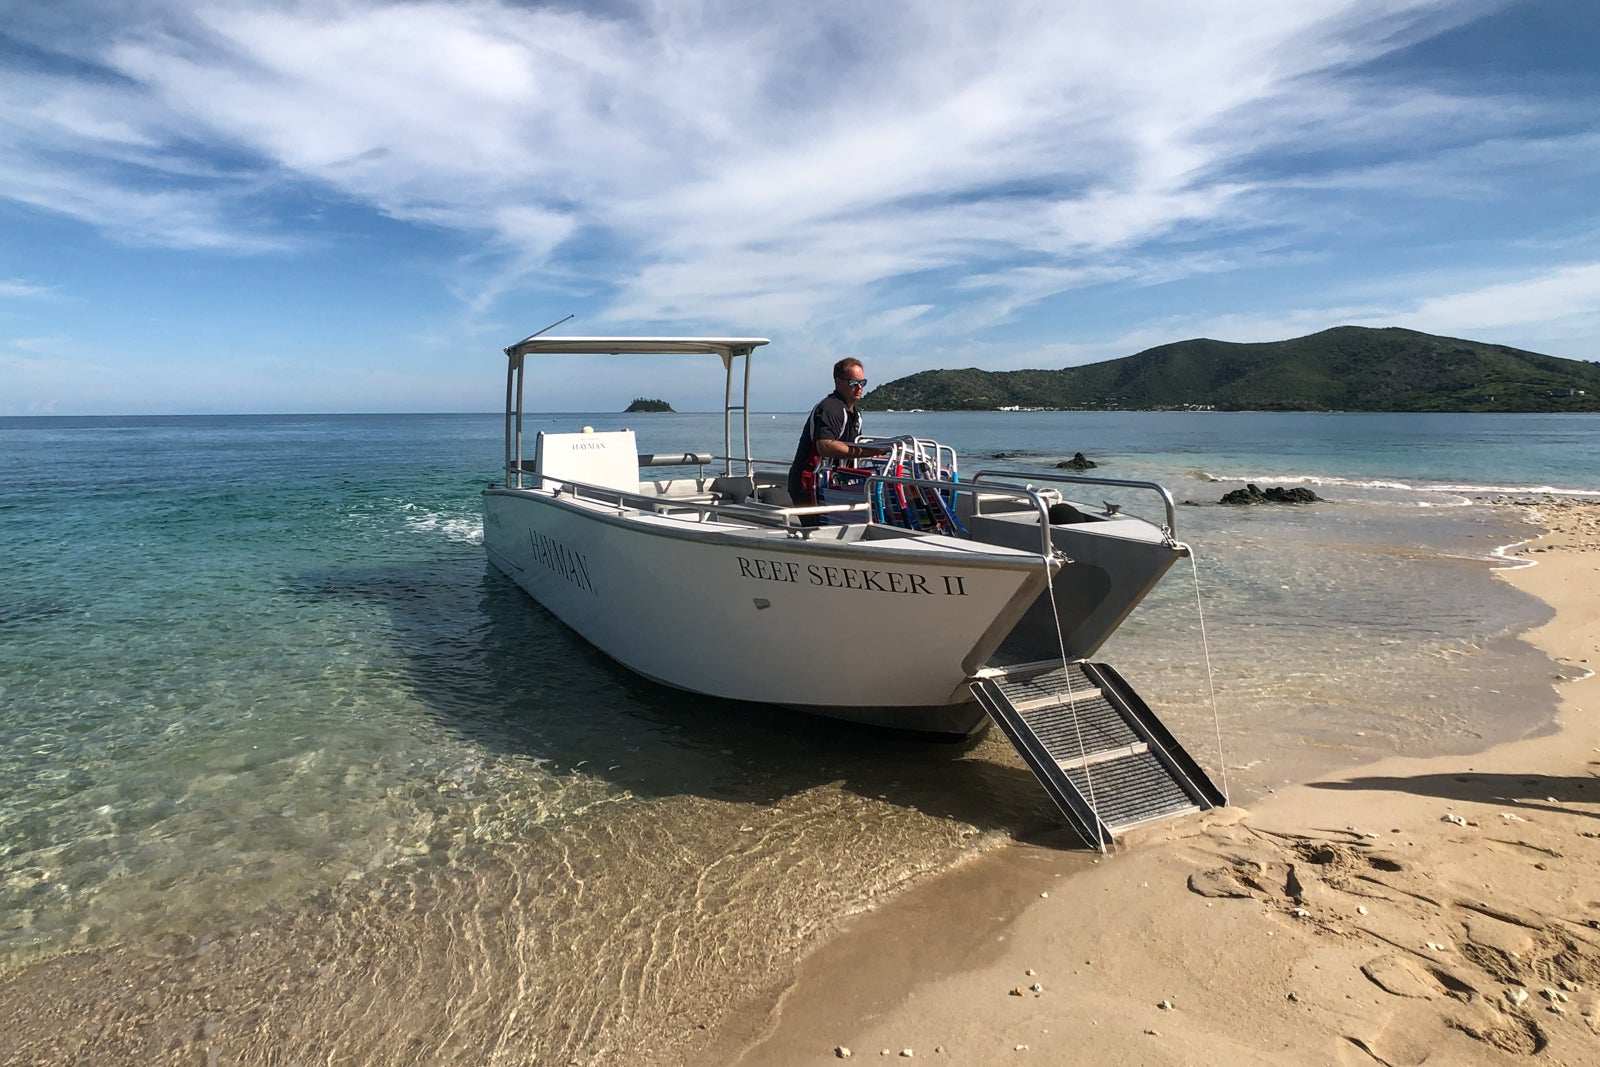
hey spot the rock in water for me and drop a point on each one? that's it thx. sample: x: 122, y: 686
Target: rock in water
x: 1272, y: 494
x: 1078, y: 462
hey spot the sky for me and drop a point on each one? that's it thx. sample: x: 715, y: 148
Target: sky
x: 209, y: 206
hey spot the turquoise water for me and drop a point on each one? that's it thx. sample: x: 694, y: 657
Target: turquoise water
x: 258, y: 689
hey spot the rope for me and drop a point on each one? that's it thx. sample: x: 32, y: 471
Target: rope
x: 1072, y: 703
x: 1205, y: 646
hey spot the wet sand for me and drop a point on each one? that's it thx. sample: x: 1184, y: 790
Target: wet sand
x: 1440, y: 910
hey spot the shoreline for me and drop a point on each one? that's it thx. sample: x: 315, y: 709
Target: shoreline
x: 1446, y: 909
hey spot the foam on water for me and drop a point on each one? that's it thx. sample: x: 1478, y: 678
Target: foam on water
x: 467, y: 529
x: 1409, y: 487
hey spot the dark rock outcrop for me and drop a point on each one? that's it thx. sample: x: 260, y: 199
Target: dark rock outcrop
x: 1272, y: 494
x: 1077, y: 463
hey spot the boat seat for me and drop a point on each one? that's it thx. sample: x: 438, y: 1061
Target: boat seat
x: 609, y: 459
x: 733, y: 489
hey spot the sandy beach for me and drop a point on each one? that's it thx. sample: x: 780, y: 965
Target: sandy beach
x: 1441, y: 910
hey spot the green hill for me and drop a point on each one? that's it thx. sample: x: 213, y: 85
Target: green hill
x: 1348, y: 368
x: 648, y: 405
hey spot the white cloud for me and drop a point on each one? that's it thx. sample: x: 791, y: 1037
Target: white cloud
x: 1553, y: 311
x: 169, y: 217
x: 1544, y: 298
x: 840, y: 172
x: 1556, y: 311
x: 17, y: 289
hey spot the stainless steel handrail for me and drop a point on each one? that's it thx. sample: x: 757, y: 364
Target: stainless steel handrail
x: 780, y: 464
x: 1045, y: 476
x: 675, y: 459
x: 623, y: 498
x: 604, y: 494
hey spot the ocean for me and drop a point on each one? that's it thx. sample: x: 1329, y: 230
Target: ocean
x: 288, y: 773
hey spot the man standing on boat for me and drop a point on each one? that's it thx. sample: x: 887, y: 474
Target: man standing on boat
x: 828, y: 436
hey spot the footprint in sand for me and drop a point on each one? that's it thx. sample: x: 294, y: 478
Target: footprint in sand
x: 1408, y: 978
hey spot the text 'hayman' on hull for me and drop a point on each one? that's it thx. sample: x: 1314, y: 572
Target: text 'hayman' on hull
x: 957, y: 588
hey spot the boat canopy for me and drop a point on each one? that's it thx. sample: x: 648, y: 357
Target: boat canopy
x: 727, y: 348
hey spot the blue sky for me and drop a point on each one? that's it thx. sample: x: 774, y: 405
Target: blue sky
x: 352, y: 205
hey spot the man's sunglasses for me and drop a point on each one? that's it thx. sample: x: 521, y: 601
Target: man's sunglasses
x: 854, y: 383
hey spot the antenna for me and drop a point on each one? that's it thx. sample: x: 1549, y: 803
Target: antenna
x: 547, y: 329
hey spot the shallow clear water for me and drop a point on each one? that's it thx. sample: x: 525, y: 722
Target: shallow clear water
x: 259, y: 690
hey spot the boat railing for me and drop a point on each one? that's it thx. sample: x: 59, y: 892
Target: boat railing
x: 623, y: 498
x: 702, y: 507
x: 753, y: 461
x: 789, y: 517
x: 676, y: 459
x: 699, y: 460
x: 1171, y: 527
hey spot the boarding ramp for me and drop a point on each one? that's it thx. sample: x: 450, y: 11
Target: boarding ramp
x: 1102, y: 755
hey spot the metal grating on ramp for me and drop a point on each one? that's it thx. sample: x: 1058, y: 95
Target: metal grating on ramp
x: 1097, y: 749
x: 1134, y: 790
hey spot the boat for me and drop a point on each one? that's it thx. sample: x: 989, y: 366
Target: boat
x: 927, y: 601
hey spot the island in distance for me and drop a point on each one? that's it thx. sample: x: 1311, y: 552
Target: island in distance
x: 644, y: 404
x: 1347, y: 368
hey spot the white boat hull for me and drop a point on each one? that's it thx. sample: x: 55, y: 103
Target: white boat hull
x: 873, y: 631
